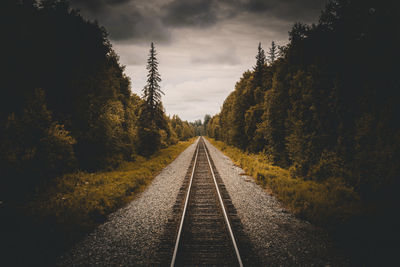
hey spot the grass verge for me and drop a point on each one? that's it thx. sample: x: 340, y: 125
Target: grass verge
x: 325, y: 203
x: 77, y: 202
x: 71, y: 206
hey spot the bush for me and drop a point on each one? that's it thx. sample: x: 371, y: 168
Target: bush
x: 57, y: 150
x: 34, y: 147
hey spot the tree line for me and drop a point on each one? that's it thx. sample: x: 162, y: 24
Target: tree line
x: 66, y: 102
x: 326, y: 105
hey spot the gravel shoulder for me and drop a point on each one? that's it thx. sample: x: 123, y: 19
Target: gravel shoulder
x: 130, y: 235
x: 279, y: 238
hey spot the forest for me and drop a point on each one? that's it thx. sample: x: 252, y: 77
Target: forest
x: 67, y: 104
x: 322, y: 109
x: 325, y: 106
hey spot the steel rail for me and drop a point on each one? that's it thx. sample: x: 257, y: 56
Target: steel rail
x: 184, y: 208
x: 223, y: 210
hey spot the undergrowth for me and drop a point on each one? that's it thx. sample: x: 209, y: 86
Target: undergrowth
x: 325, y: 203
x: 76, y: 202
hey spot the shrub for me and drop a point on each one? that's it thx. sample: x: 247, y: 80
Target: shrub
x: 34, y: 147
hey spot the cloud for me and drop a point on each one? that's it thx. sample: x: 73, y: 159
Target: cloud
x: 132, y: 55
x: 226, y: 56
x: 94, y: 6
x: 191, y: 100
x: 132, y: 25
x: 282, y: 9
x: 126, y: 20
x: 199, y: 13
x: 153, y: 20
x: 203, y: 46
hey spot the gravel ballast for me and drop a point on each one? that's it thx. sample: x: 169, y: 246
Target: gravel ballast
x: 131, y: 235
x: 278, y: 237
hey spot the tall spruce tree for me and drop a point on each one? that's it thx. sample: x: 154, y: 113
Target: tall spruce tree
x: 151, y: 118
x: 272, y: 53
x: 152, y: 91
x: 259, y: 67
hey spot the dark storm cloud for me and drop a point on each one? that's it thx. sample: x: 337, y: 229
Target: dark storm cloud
x: 285, y: 10
x: 94, y: 6
x: 145, y: 20
x: 133, y: 25
x: 293, y: 10
x: 124, y: 20
x: 116, y: 2
x: 190, y: 13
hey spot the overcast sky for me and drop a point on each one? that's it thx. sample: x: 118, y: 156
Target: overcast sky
x: 203, y: 46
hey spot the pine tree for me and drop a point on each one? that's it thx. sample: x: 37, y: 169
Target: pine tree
x: 272, y: 53
x: 151, y: 118
x: 260, y: 67
x: 152, y: 91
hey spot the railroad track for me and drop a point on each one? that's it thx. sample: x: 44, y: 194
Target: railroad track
x: 204, y: 229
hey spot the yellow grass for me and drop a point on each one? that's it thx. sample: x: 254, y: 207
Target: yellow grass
x: 326, y: 203
x: 78, y: 201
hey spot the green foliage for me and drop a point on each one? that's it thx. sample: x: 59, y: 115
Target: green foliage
x: 259, y: 68
x: 323, y: 109
x: 84, y: 116
x: 206, y: 120
x: 152, y: 91
x: 87, y: 95
x: 214, y: 128
x: 33, y: 145
x: 155, y: 129
x: 57, y: 148
x: 149, y: 136
x: 272, y: 53
x: 183, y: 129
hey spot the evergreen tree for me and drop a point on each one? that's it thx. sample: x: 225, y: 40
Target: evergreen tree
x: 206, y: 120
x: 260, y: 66
x: 151, y: 118
x: 272, y: 53
x: 152, y: 91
